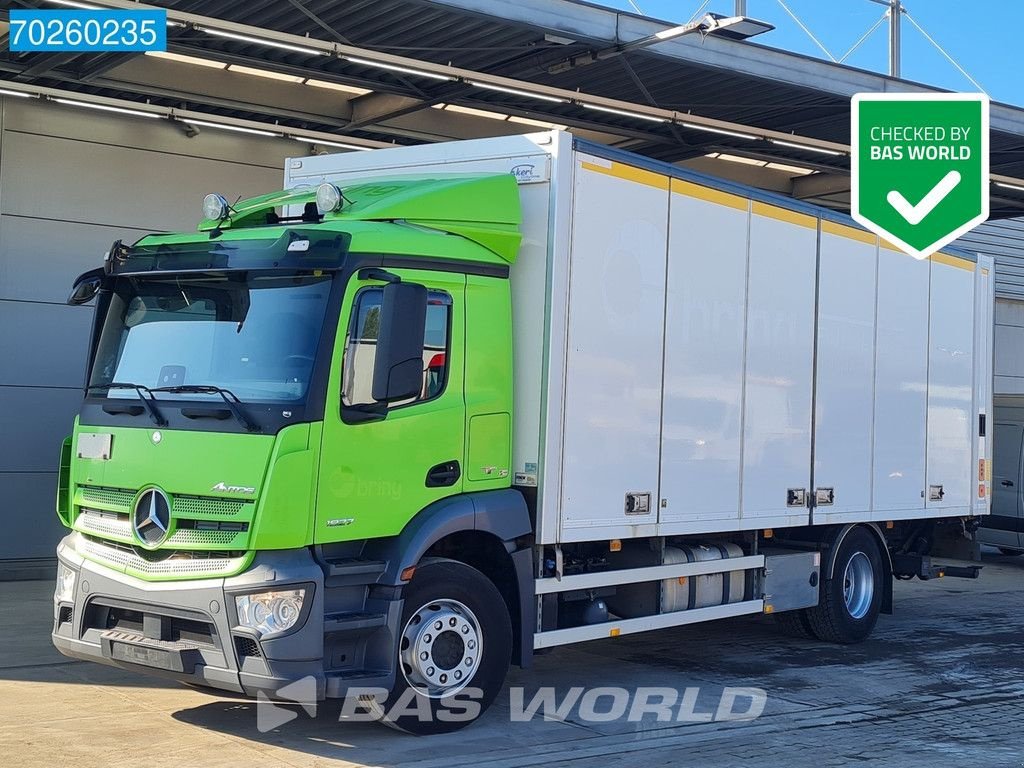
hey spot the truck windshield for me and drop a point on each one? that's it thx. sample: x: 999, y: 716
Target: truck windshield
x: 253, y: 334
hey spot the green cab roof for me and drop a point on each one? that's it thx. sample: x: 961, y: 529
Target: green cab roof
x: 482, y: 208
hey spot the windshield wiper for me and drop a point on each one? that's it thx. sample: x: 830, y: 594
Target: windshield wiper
x: 141, y: 390
x: 229, y: 397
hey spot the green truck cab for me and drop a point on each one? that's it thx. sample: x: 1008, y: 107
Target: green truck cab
x: 329, y: 431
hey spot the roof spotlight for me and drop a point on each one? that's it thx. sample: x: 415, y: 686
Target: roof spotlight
x: 216, y: 207
x: 328, y: 198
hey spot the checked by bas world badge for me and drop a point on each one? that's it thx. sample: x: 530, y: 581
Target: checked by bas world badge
x: 919, y: 166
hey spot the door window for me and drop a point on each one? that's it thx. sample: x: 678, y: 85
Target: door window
x: 361, y: 348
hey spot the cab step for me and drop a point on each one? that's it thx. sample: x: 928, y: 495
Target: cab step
x: 354, y: 622
x: 354, y: 570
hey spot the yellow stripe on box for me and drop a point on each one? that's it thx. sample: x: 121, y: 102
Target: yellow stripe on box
x: 941, y: 258
x: 628, y: 172
x: 784, y: 214
x: 849, y: 232
x: 953, y: 261
x: 690, y: 189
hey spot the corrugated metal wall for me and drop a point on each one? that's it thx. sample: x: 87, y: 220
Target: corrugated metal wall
x: 71, y: 181
x: 1005, y: 240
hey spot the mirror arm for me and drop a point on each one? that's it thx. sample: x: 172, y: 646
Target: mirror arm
x: 373, y: 273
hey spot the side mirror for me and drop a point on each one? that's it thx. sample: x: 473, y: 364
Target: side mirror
x: 86, y: 287
x: 398, y: 365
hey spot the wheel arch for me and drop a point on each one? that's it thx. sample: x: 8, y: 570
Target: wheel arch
x: 833, y: 540
x: 483, y: 530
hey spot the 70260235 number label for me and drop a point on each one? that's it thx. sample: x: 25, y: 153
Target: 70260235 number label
x: 88, y: 30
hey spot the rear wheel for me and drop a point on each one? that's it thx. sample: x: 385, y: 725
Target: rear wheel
x: 794, y: 623
x: 851, y: 599
x: 454, y: 650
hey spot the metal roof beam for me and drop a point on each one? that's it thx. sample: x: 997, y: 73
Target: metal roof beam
x: 820, y: 185
x: 336, y: 50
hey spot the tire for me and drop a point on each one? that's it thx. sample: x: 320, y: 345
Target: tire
x: 469, y: 606
x: 851, y: 600
x: 794, y: 624
x: 1009, y: 552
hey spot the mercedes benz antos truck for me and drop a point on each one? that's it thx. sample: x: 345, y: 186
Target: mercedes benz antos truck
x: 433, y: 409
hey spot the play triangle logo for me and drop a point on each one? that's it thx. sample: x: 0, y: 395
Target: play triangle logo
x: 270, y: 715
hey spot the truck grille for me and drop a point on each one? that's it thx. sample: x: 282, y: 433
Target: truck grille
x: 121, y: 500
x: 199, y: 522
x: 180, y: 563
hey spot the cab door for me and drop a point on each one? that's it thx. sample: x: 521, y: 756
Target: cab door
x: 378, y: 471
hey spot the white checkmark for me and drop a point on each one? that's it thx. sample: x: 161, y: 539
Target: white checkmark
x: 915, y: 213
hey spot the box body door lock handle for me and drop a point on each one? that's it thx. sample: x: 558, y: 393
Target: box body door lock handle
x: 796, y: 497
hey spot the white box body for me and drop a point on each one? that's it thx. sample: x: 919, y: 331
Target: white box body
x: 717, y: 349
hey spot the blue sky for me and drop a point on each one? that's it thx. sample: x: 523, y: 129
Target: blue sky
x: 989, y: 55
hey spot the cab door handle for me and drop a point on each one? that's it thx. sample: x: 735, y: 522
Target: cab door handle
x: 443, y: 475
x: 1007, y: 483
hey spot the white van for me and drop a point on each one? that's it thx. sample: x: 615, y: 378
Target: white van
x: 1004, y: 528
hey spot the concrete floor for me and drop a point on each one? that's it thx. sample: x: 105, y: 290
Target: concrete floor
x: 939, y: 683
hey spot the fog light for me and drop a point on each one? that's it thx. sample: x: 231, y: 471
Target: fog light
x: 328, y: 198
x: 215, y: 207
x: 65, y: 589
x: 269, y: 612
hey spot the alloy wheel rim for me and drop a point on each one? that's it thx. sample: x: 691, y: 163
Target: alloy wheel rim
x: 441, y: 648
x: 858, y: 585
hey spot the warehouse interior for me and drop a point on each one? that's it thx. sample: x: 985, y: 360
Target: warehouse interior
x: 95, y: 148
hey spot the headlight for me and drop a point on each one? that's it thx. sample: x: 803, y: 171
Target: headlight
x: 268, y: 612
x: 65, y: 589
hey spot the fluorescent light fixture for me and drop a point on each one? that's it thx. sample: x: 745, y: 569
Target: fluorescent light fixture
x: 805, y: 147
x: 226, y: 127
x: 73, y: 4
x: 1004, y: 185
x: 473, y: 111
x: 624, y: 113
x: 265, y: 73
x: 738, y: 159
x: 262, y: 41
x: 105, y: 108
x: 19, y: 94
x: 516, y: 92
x: 181, y: 58
x: 397, y: 68
x: 338, y: 87
x: 722, y: 131
x: 326, y: 143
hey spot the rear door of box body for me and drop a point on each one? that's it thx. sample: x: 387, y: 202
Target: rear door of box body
x: 845, y: 373
x: 949, y: 476
x: 738, y: 362
x: 705, y: 336
x: 779, y: 368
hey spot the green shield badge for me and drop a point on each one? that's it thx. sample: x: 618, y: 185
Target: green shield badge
x: 919, y: 167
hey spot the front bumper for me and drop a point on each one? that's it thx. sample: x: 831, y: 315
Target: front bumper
x: 188, y: 630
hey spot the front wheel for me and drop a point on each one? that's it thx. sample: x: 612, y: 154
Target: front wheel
x: 453, y: 651
x: 851, y: 599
